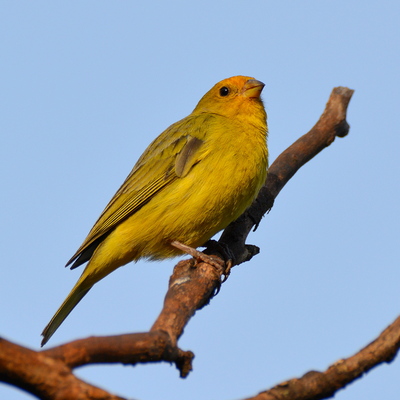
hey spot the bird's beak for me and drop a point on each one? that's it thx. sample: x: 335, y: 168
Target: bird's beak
x: 252, y: 88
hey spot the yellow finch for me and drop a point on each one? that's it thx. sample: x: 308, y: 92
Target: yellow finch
x: 194, y: 179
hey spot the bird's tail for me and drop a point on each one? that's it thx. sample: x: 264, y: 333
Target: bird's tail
x: 76, y: 295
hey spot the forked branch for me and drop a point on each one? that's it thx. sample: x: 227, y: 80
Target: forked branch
x: 48, y: 374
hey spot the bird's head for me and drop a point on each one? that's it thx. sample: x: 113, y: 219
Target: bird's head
x: 235, y: 97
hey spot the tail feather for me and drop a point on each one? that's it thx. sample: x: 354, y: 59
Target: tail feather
x: 76, y: 295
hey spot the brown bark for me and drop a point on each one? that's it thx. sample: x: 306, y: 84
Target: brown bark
x: 332, y: 123
x: 48, y: 374
x: 316, y: 385
x: 44, y: 376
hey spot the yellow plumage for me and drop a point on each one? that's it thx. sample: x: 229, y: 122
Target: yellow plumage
x: 194, y: 179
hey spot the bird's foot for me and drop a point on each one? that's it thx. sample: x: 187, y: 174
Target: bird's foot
x: 216, y: 247
x: 198, y: 255
x: 214, y: 261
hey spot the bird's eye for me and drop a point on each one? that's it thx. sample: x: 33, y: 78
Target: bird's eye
x: 224, y: 91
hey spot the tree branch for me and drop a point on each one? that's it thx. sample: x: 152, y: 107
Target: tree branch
x: 43, y: 376
x: 332, y: 123
x: 316, y: 385
x: 48, y: 374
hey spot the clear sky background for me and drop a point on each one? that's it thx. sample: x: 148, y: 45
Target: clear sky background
x: 84, y: 88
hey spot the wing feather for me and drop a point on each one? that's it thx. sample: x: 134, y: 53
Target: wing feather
x: 164, y: 161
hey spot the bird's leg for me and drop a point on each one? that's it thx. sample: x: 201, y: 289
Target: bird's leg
x: 198, y: 255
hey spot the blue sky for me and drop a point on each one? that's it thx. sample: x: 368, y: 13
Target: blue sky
x: 85, y: 86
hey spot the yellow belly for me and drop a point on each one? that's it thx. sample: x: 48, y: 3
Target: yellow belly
x: 190, y: 210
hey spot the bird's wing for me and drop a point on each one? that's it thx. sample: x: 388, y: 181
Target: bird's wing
x: 168, y: 158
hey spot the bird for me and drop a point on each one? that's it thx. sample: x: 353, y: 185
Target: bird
x: 192, y: 181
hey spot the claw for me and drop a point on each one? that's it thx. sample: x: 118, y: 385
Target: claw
x: 198, y: 255
x: 226, y: 253
x: 227, y: 272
